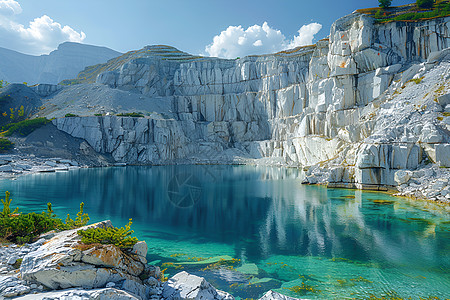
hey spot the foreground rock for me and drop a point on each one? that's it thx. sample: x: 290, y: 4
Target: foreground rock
x: 95, y: 294
x: 63, y: 262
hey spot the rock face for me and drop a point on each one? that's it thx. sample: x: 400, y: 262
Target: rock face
x: 16, y: 95
x: 361, y: 103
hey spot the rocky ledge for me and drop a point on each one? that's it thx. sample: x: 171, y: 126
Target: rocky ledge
x: 13, y: 165
x: 59, y: 266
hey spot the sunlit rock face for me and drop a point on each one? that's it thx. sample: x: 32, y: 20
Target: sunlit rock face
x: 362, y: 101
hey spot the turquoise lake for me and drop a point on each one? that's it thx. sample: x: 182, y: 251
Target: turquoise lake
x: 271, y: 232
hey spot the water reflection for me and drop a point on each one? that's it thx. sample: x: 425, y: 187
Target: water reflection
x: 261, y: 211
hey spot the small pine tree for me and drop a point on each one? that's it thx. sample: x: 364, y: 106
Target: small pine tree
x: 6, y: 203
x: 425, y: 3
x: 81, y: 220
x: 384, y: 3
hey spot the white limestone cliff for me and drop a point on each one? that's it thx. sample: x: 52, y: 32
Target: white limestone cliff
x: 363, y: 104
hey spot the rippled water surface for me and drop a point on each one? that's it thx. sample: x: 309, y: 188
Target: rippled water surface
x: 260, y: 229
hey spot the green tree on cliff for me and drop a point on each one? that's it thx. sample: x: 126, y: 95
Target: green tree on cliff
x: 384, y: 3
x: 425, y: 3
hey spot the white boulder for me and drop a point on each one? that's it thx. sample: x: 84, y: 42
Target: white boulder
x: 271, y: 295
x: 184, y: 286
x: 402, y: 176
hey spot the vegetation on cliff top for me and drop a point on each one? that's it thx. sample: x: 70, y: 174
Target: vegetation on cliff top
x: 23, y: 128
x: 422, y: 10
x: 384, y: 3
x: 132, y: 114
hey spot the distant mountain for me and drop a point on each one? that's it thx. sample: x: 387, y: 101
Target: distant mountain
x: 168, y: 53
x: 64, y: 63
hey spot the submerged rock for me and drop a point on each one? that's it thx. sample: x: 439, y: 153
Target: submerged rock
x: 249, y: 269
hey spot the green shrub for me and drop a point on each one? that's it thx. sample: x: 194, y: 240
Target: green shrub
x: 378, y: 14
x: 119, y: 237
x: 424, y: 3
x: 71, y: 115
x: 98, y: 115
x: 384, y: 3
x: 5, y: 145
x: 24, y: 127
x: 24, y: 228
x: 133, y: 114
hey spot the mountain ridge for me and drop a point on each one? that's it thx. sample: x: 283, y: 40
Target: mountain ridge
x: 64, y: 62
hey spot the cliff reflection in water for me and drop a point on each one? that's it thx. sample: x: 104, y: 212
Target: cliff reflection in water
x: 261, y: 211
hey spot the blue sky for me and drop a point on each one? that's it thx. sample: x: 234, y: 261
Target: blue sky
x: 189, y: 25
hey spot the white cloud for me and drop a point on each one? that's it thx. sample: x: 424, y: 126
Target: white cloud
x: 305, y: 35
x: 42, y: 35
x: 258, y: 43
x: 10, y: 7
x: 236, y: 41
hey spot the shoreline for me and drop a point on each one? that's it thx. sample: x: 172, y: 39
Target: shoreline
x: 20, y: 165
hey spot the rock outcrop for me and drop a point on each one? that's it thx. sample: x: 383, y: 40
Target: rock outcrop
x: 367, y: 102
x: 62, y: 262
